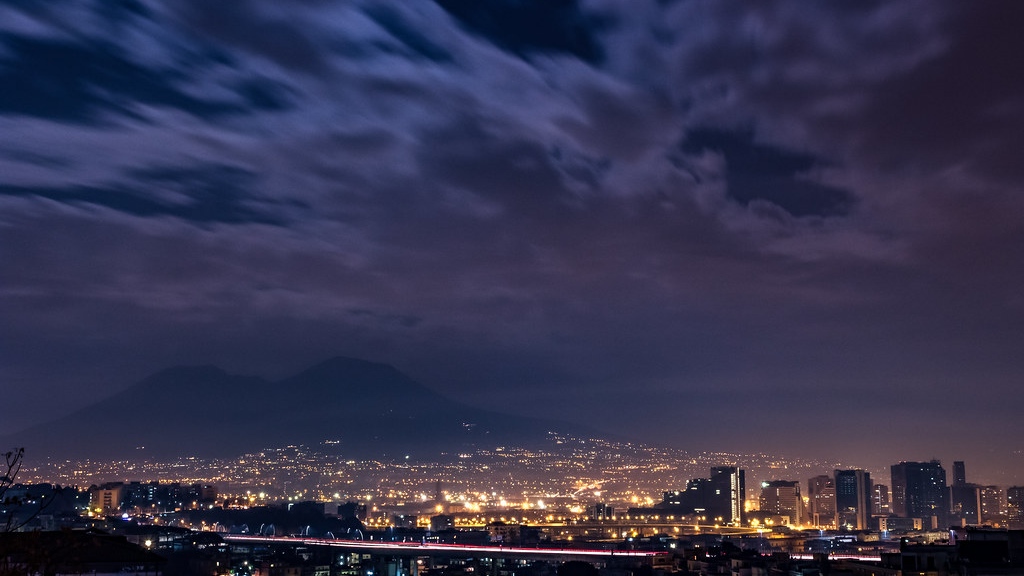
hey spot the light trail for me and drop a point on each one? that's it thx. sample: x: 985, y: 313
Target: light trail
x: 861, y: 557
x: 428, y: 548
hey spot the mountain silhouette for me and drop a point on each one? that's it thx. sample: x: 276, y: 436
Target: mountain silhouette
x: 354, y: 407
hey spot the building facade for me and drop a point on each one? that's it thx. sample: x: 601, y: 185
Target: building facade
x: 853, y: 499
x: 821, y: 498
x: 1015, y: 507
x: 782, y: 497
x: 718, y: 499
x: 919, y: 491
x: 880, y: 500
x: 993, y: 505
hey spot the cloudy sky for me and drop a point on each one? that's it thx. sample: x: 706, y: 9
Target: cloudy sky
x: 792, y: 227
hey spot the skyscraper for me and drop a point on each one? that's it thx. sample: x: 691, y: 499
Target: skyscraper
x: 993, y: 504
x: 880, y: 500
x: 965, y: 505
x: 959, y: 473
x: 853, y: 499
x: 1015, y: 507
x: 964, y: 498
x: 919, y: 491
x: 821, y: 494
x: 728, y: 486
x: 717, y: 499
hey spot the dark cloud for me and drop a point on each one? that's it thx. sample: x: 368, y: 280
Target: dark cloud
x: 727, y: 213
x: 533, y: 27
x: 72, y: 81
x: 759, y: 172
x: 405, y: 321
x: 258, y: 28
x: 962, y: 106
x: 207, y: 194
x: 395, y: 23
x: 43, y: 160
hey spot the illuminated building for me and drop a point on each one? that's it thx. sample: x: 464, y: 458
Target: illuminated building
x: 853, y: 499
x: 993, y: 501
x: 895, y: 523
x: 821, y: 494
x: 919, y: 491
x: 782, y: 497
x: 728, y: 484
x: 106, y: 499
x: 601, y: 511
x: 1015, y: 507
x: 404, y: 520
x: 718, y: 499
x: 502, y: 532
x: 964, y: 498
x: 965, y: 504
x: 880, y: 500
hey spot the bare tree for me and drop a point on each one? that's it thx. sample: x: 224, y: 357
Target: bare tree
x: 13, y: 460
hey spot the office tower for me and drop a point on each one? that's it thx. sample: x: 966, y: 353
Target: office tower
x: 853, y: 499
x: 821, y: 495
x: 1015, y: 507
x: 993, y: 505
x: 919, y: 491
x: 959, y: 473
x: 880, y: 500
x: 964, y: 498
x: 965, y: 505
x: 782, y: 497
x: 718, y: 499
x: 728, y: 490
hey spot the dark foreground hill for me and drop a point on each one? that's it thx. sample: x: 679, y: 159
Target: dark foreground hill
x: 354, y: 407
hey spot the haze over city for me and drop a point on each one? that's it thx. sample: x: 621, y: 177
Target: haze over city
x: 788, y: 228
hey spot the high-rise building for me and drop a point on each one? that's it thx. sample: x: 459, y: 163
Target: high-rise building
x: 1015, y: 507
x: 965, y: 505
x: 919, y: 491
x: 821, y: 497
x: 959, y: 473
x: 880, y: 500
x: 782, y: 497
x: 718, y: 499
x: 729, y: 490
x: 993, y: 505
x: 853, y: 499
x: 964, y: 498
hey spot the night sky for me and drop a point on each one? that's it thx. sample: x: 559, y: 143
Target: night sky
x: 791, y: 227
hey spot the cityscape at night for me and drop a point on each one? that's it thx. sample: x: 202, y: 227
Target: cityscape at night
x: 511, y: 288
x: 511, y: 506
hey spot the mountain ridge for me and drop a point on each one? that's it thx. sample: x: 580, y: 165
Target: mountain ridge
x: 364, y: 408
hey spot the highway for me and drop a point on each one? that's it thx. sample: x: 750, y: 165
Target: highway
x: 433, y: 549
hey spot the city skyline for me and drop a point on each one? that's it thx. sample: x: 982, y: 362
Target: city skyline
x: 348, y: 407
x: 787, y: 228
x: 584, y: 478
